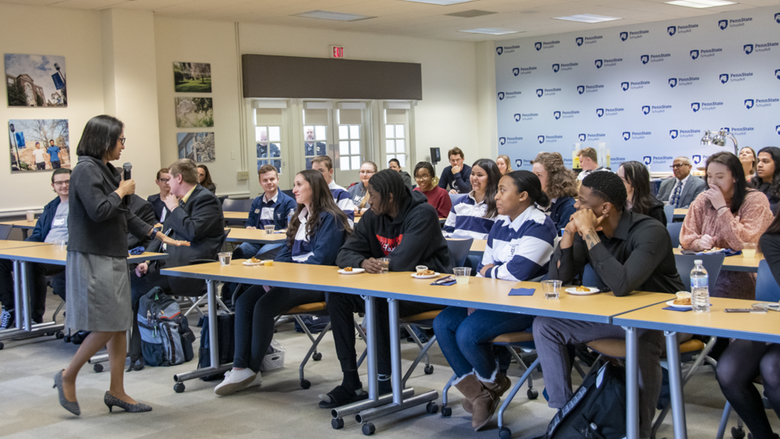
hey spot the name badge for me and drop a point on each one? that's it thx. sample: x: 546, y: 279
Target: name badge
x: 58, y: 222
x: 257, y: 211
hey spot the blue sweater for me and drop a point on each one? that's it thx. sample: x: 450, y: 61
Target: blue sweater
x: 43, y: 226
x: 319, y: 249
x: 274, y: 212
x: 561, y: 210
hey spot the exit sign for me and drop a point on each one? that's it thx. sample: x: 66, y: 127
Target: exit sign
x: 337, y: 51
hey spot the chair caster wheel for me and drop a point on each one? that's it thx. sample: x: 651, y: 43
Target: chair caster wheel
x: 446, y: 412
x: 59, y: 335
x: 305, y: 384
x: 97, y: 368
x: 337, y: 423
x: 428, y: 369
x: 532, y: 394
x: 737, y: 433
x: 431, y: 408
x: 67, y: 339
x: 505, y: 433
x: 317, y: 356
x: 368, y: 429
x: 2, y: 345
x: 178, y: 387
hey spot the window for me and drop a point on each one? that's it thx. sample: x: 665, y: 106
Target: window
x: 268, y: 137
x: 396, y: 135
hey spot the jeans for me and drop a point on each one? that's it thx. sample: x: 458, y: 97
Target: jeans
x: 465, y: 340
x: 247, y: 250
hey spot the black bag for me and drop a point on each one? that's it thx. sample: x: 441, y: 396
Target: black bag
x: 226, y: 340
x: 316, y: 324
x: 597, y: 410
x: 166, y: 338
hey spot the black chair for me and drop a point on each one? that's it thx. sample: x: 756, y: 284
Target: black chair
x: 233, y: 205
x: 5, y: 231
x: 289, y: 193
x: 674, y: 232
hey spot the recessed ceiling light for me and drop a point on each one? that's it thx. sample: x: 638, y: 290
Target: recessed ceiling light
x: 490, y: 31
x: 440, y: 2
x: 471, y: 13
x: 587, y: 18
x: 699, y: 4
x: 337, y: 16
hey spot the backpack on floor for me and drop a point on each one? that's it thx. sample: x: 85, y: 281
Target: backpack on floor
x: 597, y: 410
x: 316, y: 324
x: 166, y: 338
x: 225, y: 338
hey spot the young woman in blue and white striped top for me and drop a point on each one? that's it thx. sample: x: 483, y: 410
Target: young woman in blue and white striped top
x: 519, y: 247
x: 315, y: 234
x: 472, y: 215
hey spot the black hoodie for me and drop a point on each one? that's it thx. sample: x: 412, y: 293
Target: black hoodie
x: 412, y: 238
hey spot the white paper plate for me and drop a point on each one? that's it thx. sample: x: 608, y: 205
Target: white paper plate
x: 249, y: 263
x: 429, y: 276
x: 671, y: 303
x: 573, y: 290
x: 354, y: 271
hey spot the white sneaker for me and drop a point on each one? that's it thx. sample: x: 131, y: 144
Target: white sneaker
x: 236, y: 380
x: 6, y: 319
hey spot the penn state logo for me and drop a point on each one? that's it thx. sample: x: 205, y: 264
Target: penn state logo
x: 696, y: 159
x: 694, y: 54
x: 579, y: 41
x: 748, y: 48
x: 539, y: 92
x: 517, y: 117
x: 557, y: 115
x: 777, y: 128
x: 501, y: 96
x: 626, y: 135
x: 723, y: 78
x: 624, y: 86
x: 519, y: 163
x: 624, y: 36
x: 726, y: 129
x: 673, y: 134
x: 777, y: 73
x: 516, y: 71
x: 538, y: 46
x: 502, y: 140
x: 671, y: 30
x: 723, y: 24
x: 646, y: 109
x: 645, y: 59
x: 540, y: 139
x: 581, y: 88
x: 695, y: 106
x: 749, y: 103
x: 582, y: 136
x: 599, y: 112
x: 777, y: 17
x: 556, y: 67
x: 499, y: 50
x: 599, y: 63
x: 647, y: 160
x: 672, y: 82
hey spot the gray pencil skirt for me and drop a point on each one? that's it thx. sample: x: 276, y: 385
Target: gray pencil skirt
x: 98, y: 293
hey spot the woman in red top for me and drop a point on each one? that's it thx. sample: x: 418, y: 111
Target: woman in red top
x: 437, y: 197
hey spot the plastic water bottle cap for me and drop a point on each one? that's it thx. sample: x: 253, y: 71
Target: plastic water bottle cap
x: 697, y: 261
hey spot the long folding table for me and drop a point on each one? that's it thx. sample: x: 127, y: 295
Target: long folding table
x: 25, y: 225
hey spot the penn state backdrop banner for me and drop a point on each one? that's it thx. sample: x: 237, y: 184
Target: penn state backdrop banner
x: 644, y: 92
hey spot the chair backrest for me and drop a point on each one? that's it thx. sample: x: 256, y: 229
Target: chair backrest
x: 674, y: 233
x: 459, y: 249
x: 5, y: 231
x: 289, y: 193
x: 767, y: 288
x: 712, y: 263
x: 233, y: 205
x: 454, y: 198
x: 669, y: 212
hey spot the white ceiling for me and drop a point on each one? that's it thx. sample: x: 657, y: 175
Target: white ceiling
x: 397, y: 17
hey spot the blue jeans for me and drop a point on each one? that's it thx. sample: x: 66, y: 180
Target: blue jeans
x: 465, y: 340
x: 247, y: 250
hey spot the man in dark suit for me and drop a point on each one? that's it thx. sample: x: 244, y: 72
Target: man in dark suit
x: 682, y: 189
x: 310, y: 146
x: 160, y: 211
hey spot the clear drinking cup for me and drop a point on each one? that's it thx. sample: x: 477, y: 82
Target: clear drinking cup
x: 385, y: 263
x: 225, y: 258
x: 269, y: 230
x: 552, y: 289
x: 462, y: 274
x: 749, y: 250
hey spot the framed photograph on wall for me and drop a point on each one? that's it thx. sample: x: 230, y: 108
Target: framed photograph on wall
x: 196, y: 146
x: 35, y: 80
x: 192, y: 77
x: 194, y: 112
x: 39, y: 144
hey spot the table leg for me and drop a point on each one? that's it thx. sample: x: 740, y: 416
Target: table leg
x: 632, y: 385
x: 395, y: 351
x: 25, y: 281
x: 370, y: 322
x: 675, y: 385
x: 18, y: 295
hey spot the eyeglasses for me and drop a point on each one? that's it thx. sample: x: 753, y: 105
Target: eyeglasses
x: 122, y: 139
x: 679, y: 165
x: 422, y: 177
x: 165, y: 180
x: 61, y: 183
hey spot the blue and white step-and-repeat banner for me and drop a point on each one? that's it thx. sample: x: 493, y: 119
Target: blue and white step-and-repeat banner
x: 645, y: 92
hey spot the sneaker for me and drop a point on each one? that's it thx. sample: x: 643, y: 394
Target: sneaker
x: 6, y: 319
x: 236, y: 380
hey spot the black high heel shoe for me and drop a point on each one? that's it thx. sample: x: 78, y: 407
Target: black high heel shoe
x: 71, y: 406
x: 111, y: 401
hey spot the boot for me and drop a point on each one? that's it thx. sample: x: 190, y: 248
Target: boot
x: 483, y: 402
x: 504, y: 384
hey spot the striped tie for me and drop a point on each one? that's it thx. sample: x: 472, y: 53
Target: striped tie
x: 676, y: 195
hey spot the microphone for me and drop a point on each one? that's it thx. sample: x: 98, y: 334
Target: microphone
x: 127, y: 172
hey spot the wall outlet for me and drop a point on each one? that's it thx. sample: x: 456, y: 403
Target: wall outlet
x: 243, y: 175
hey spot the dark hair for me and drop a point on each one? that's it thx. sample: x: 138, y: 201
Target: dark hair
x: 321, y: 201
x: 59, y: 171
x: 455, y: 151
x: 423, y: 165
x: 267, y: 168
x: 607, y: 186
x: 394, y: 160
x: 639, y: 178
x: 207, y: 179
x: 560, y: 181
x: 387, y: 182
x: 729, y: 160
x: 187, y: 169
x: 755, y: 158
x: 162, y: 171
x: 100, y: 136
x: 494, y: 175
x: 527, y: 181
x: 324, y: 160
x: 774, y: 187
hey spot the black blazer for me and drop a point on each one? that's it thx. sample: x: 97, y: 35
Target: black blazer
x: 143, y: 210
x: 158, y: 204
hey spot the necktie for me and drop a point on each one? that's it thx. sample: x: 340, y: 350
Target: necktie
x: 676, y: 195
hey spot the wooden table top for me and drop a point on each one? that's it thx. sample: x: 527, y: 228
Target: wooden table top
x: 480, y: 293
x: 9, y: 244
x: 21, y: 224
x: 235, y: 215
x: 257, y: 236
x: 52, y: 254
x: 680, y: 213
x: 737, y: 263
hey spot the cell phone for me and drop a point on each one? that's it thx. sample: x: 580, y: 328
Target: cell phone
x: 738, y: 310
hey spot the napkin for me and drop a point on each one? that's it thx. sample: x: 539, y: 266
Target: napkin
x: 522, y: 291
x: 671, y: 308
x: 445, y: 281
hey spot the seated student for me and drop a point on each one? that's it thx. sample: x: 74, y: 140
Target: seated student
x: 748, y: 159
x: 589, y: 162
x: 402, y: 227
x: 559, y: 184
x: 160, y: 211
x: 767, y: 179
x: 473, y: 215
x: 726, y: 215
x: 744, y: 360
x: 324, y: 164
x: 52, y: 226
x: 395, y: 165
x: 628, y: 251
x: 317, y: 231
x: 504, y: 164
x: 359, y: 190
x: 272, y: 208
x: 681, y: 189
x: 204, y: 179
x: 639, y: 199
x: 456, y: 175
x: 519, y: 248
x: 437, y: 197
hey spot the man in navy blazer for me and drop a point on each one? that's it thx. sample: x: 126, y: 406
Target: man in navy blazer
x: 160, y: 211
x: 690, y: 186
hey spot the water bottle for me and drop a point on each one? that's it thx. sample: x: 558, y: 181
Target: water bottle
x: 700, y: 292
